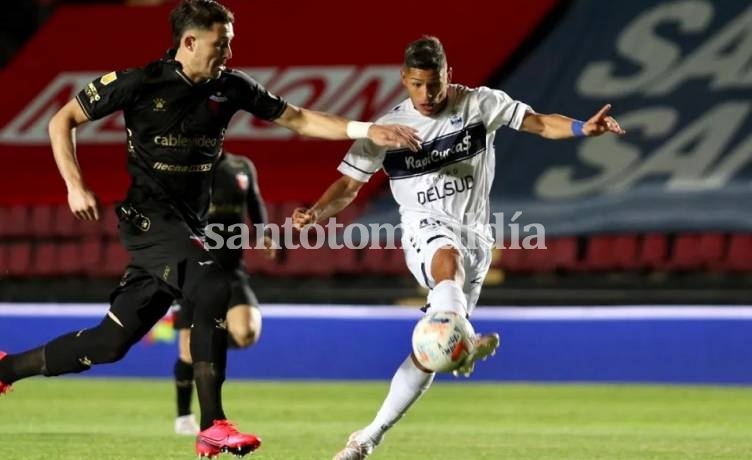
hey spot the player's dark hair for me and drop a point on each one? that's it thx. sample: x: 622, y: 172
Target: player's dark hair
x: 197, y: 14
x: 426, y: 53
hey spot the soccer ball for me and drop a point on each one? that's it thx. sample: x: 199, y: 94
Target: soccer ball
x: 442, y: 340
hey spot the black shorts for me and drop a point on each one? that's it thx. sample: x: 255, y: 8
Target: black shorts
x: 241, y: 294
x: 162, y: 244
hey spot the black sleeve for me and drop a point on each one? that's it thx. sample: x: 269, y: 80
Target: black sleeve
x: 256, y: 206
x: 254, y: 98
x: 109, y: 93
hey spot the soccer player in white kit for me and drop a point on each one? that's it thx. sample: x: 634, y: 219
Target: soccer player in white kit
x: 443, y: 197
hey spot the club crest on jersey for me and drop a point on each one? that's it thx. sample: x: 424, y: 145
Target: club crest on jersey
x: 456, y: 120
x: 215, y: 100
x: 242, y: 180
x: 159, y: 104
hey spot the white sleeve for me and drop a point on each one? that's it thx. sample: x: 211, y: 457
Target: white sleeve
x: 363, y: 160
x: 497, y: 109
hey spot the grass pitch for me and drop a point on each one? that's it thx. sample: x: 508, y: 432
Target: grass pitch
x: 72, y: 418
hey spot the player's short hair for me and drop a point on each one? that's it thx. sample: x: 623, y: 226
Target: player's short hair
x: 197, y: 14
x: 426, y: 53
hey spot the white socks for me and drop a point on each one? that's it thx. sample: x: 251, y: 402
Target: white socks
x: 448, y: 296
x: 408, y: 384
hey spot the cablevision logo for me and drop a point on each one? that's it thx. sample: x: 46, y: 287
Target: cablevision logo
x: 499, y: 233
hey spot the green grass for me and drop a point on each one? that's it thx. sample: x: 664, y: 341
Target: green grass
x: 56, y: 419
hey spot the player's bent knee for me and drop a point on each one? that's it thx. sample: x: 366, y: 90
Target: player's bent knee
x: 244, y: 326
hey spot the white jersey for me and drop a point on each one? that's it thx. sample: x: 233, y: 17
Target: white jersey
x: 450, y: 178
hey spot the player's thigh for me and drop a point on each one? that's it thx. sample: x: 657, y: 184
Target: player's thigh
x: 139, y: 302
x: 421, y: 247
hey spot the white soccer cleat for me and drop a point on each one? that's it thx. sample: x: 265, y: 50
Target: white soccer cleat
x: 483, y: 346
x: 186, y: 425
x: 355, y: 450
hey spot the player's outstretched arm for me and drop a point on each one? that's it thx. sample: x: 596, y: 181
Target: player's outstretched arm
x: 554, y: 126
x: 337, y: 197
x: 328, y: 126
x: 82, y: 201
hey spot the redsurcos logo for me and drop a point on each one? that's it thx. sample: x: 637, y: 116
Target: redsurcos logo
x: 356, y: 92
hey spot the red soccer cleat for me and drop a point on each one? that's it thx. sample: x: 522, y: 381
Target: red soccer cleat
x: 4, y: 387
x: 222, y: 436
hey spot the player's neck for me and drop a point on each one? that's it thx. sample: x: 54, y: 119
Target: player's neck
x: 194, y: 76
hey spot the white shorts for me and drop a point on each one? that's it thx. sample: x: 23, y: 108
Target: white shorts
x: 420, y: 247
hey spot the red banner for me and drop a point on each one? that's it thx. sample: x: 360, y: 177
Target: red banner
x: 342, y: 62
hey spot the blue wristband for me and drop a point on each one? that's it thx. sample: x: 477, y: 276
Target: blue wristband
x: 577, y: 128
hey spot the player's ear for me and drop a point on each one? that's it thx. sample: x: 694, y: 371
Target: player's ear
x: 449, y: 75
x: 189, y: 41
x: 403, y: 76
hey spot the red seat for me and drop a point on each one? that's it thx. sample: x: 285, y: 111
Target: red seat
x: 3, y: 221
x: 712, y: 248
x: 346, y: 261
x: 115, y: 260
x: 41, y: 221
x: 653, y: 251
x: 372, y: 260
x: 739, y: 256
x: 4, y: 262
x: 19, y: 259
x: 310, y: 262
x: 66, y: 224
x: 16, y: 221
x: 45, y: 259
x: 625, y: 249
x: 511, y: 260
x: 109, y: 222
x: 599, y: 255
x: 69, y: 261
x: 395, y: 262
x: 565, y: 253
x: 540, y: 260
x: 90, y: 254
x: 685, y: 255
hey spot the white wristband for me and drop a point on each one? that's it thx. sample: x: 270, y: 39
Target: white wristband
x: 358, y: 129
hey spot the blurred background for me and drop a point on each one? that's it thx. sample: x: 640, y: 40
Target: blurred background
x: 658, y: 218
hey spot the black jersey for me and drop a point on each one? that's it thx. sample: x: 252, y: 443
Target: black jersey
x: 175, y: 128
x: 235, y: 192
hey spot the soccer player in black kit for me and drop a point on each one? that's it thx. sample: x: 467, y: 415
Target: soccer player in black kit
x: 234, y: 193
x: 176, y: 112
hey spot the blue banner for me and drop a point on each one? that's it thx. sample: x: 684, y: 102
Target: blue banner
x: 681, y: 344
x: 678, y: 76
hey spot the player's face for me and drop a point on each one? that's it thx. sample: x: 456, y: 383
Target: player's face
x: 212, y: 49
x: 427, y: 89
